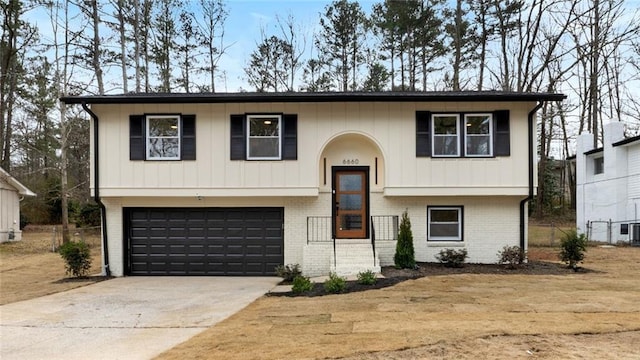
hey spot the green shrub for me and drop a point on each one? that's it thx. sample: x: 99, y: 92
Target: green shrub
x: 367, y: 277
x: 404, y: 257
x: 512, y: 256
x: 87, y: 215
x: 452, y: 257
x: 77, y: 256
x: 572, y: 249
x: 335, y: 284
x: 301, y: 284
x: 288, y: 272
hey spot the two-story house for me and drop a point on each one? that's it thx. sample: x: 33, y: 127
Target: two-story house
x: 608, y: 186
x: 236, y: 184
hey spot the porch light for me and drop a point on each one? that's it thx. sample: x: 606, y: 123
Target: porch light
x: 267, y: 122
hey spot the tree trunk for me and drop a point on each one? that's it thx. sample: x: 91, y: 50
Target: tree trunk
x: 593, y: 84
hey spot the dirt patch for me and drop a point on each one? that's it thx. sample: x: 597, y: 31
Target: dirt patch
x: 29, y: 268
x: 497, y: 314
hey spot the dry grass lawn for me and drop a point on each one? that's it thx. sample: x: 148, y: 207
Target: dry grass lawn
x: 585, y: 315
x: 29, y: 268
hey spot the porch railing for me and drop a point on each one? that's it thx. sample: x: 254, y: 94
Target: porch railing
x: 383, y: 228
x: 319, y: 229
x: 386, y: 227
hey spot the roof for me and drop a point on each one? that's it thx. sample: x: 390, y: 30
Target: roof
x: 289, y: 97
x: 594, y: 151
x: 22, y: 190
x: 627, y: 141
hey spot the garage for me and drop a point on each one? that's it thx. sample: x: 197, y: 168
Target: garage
x: 203, y: 241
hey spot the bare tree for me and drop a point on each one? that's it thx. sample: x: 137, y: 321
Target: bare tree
x: 214, y: 17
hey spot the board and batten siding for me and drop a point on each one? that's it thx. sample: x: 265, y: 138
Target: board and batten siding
x: 390, y: 126
x: 634, y: 172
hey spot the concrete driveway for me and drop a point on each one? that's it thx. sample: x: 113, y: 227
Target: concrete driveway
x: 123, y: 318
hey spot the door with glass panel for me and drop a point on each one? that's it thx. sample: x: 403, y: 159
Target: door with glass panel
x: 350, y: 202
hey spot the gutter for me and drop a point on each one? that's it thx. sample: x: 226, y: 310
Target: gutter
x: 96, y: 190
x: 524, y: 201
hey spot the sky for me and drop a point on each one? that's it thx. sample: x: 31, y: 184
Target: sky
x: 247, y: 17
x: 242, y: 30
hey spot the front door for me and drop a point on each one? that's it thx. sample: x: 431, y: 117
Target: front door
x: 350, y: 202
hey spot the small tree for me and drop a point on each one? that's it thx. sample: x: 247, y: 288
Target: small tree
x: 573, y: 247
x: 77, y: 256
x: 404, y: 257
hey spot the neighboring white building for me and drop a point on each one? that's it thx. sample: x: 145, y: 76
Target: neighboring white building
x: 608, y: 186
x: 235, y: 184
x: 11, y: 192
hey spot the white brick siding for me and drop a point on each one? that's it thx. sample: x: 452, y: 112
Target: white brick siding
x: 489, y: 224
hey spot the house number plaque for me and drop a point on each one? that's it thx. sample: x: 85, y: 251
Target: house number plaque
x: 350, y: 161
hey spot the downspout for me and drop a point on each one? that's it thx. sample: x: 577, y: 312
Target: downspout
x: 524, y: 201
x: 96, y: 190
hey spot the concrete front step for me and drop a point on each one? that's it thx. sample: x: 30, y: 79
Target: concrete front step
x: 353, y: 257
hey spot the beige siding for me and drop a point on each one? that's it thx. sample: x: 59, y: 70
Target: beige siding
x: 9, y: 212
x: 388, y: 127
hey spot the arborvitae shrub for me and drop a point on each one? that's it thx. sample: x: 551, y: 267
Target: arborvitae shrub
x: 404, y: 257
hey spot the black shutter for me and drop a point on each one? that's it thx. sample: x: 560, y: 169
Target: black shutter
x: 423, y: 135
x: 501, y: 136
x: 238, y: 137
x: 290, y: 137
x: 137, y: 130
x: 188, y: 143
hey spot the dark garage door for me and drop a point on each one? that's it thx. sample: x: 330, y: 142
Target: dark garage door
x: 204, y: 241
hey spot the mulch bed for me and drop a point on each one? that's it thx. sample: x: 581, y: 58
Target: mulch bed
x: 393, y: 276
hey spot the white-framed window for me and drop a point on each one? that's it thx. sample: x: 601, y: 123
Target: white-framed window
x: 163, y: 137
x: 444, y: 223
x: 264, y: 137
x: 478, y: 130
x: 446, y: 131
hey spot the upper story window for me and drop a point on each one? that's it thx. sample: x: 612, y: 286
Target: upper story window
x: 598, y: 165
x: 481, y: 134
x: 446, y: 129
x: 264, y: 137
x: 444, y: 223
x: 163, y: 137
x: 478, y: 134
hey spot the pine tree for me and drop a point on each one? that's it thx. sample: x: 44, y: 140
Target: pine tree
x: 405, y: 255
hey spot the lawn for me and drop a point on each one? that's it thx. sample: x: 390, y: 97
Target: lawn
x: 29, y: 268
x: 590, y: 314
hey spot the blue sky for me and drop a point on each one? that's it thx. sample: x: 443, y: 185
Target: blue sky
x: 247, y: 17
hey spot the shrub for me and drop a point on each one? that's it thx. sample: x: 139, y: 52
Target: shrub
x: 572, y: 249
x: 87, y: 215
x: 512, y: 256
x: 335, y: 284
x: 367, y: 277
x: 288, y: 272
x: 404, y: 257
x: 301, y: 284
x: 77, y: 256
x: 452, y: 257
